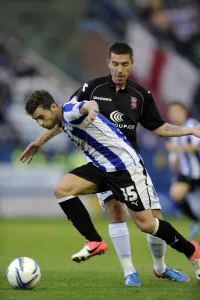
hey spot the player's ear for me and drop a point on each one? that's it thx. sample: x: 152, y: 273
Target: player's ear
x: 132, y: 62
x: 54, y: 106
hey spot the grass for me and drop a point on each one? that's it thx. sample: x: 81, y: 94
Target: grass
x: 52, y: 242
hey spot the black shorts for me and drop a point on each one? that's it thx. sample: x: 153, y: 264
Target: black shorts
x: 128, y: 186
x: 194, y: 183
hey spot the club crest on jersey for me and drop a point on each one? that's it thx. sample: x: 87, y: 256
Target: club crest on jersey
x: 133, y: 102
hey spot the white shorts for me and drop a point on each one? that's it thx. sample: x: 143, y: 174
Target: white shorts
x: 144, y: 187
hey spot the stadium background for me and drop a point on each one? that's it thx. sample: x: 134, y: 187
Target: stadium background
x: 58, y: 46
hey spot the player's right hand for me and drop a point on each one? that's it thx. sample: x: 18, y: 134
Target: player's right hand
x: 93, y: 110
x: 29, y: 152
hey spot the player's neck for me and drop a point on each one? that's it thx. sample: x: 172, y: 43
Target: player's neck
x: 119, y: 86
x: 59, y: 114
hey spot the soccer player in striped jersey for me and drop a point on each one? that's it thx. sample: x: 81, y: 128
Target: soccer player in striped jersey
x: 134, y: 105
x: 184, y: 157
x: 114, y: 165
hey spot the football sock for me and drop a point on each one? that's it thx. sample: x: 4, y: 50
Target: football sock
x: 185, y: 208
x: 158, y: 249
x: 173, y: 238
x: 78, y: 215
x: 119, y: 235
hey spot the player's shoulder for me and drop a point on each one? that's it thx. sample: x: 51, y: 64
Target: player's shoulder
x: 97, y: 81
x: 191, y: 122
x: 140, y: 88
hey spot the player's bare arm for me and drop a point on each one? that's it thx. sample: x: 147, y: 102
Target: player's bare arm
x: 169, y: 130
x: 47, y: 135
x: 91, y: 108
x: 35, y: 146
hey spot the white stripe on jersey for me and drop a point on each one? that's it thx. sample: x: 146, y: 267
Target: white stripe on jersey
x: 188, y: 162
x: 101, y: 141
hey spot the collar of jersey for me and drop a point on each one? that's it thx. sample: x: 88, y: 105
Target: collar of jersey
x: 112, y: 84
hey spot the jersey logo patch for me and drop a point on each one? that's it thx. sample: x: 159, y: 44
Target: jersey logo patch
x: 116, y: 116
x: 133, y: 103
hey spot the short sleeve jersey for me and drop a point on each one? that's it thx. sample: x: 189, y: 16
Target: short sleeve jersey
x: 124, y: 107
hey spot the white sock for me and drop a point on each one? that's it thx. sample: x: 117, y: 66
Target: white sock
x: 158, y: 249
x: 119, y: 235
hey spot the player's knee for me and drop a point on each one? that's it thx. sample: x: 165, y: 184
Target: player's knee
x: 157, y: 214
x: 116, y: 211
x: 175, y: 194
x: 147, y: 227
x: 61, y: 192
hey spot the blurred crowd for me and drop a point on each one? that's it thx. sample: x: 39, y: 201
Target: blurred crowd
x: 19, y: 76
x: 13, y: 67
x: 175, y: 21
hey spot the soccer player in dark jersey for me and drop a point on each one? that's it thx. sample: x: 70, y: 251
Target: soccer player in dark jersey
x: 125, y: 103
x: 114, y: 165
x: 184, y: 158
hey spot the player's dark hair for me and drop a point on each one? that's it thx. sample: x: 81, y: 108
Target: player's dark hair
x: 38, y: 98
x: 120, y: 48
x: 182, y: 105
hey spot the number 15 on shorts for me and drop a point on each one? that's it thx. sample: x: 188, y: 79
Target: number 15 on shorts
x: 129, y: 193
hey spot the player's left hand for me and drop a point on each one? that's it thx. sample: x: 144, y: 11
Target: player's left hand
x: 196, y: 131
x: 93, y: 110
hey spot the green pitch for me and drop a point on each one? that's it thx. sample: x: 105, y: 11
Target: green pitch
x: 52, y: 242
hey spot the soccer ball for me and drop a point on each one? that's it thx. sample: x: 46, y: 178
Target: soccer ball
x: 23, y: 273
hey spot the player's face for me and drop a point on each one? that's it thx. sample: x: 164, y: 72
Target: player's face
x: 46, y: 118
x: 177, y: 114
x: 120, y: 68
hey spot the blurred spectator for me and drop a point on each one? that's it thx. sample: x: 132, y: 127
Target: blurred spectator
x: 177, y: 21
x: 180, y: 20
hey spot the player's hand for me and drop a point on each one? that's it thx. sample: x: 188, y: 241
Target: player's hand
x: 93, y: 110
x: 29, y: 152
x: 171, y: 147
x: 196, y: 131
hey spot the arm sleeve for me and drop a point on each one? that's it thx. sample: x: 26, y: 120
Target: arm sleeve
x: 150, y: 117
x: 71, y: 112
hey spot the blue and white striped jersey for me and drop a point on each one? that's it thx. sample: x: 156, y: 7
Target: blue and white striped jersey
x: 101, y: 142
x: 188, y: 162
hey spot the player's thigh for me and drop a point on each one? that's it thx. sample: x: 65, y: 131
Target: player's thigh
x: 80, y: 181
x: 115, y: 209
x: 178, y: 190
x: 103, y: 197
x: 74, y: 185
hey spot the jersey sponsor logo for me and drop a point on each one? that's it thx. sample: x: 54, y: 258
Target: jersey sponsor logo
x: 124, y: 126
x: 116, y: 116
x: 101, y: 98
x: 133, y: 103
